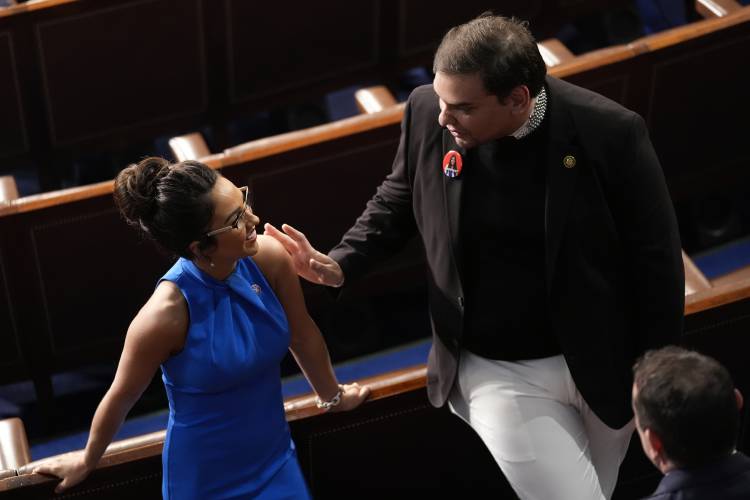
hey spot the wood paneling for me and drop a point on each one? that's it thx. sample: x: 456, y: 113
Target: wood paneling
x: 10, y: 353
x: 277, y: 46
x: 93, y: 269
x: 105, y: 75
x: 699, y: 87
x: 13, y: 138
x: 423, y: 22
x: 122, y: 67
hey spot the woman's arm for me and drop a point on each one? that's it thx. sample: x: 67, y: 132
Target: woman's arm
x: 307, y: 344
x: 158, y: 330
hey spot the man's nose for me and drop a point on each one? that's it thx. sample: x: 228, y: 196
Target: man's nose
x: 445, y: 118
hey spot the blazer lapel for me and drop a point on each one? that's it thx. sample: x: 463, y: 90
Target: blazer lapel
x: 563, y: 164
x: 452, y: 187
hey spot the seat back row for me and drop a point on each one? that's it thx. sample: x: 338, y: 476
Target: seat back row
x: 72, y: 274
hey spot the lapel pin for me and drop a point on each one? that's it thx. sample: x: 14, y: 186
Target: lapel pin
x: 452, y: 164
x: 569, y: 161
x: 256, y: 288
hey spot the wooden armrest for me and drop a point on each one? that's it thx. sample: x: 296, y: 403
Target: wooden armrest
x: 117, y: 452
x: 14, y: 447
x: 710, y: 9
x: 733, y: 277
x: 374, y: 99
x: 554, y: 52
x: 4, y: 474
x: 695, y: 280
x: 8, y: 188
x: 189, y: 147
x: 382, y: 386
x: 718, y: 295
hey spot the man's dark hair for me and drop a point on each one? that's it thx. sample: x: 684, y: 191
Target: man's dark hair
x: 501, y: 50
x: 688, y: 400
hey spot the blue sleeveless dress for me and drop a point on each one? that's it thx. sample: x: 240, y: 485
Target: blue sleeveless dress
x: 227, y: 435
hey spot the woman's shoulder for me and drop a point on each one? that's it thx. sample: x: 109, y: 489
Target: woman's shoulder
x: 164, y: 318
x: 272, y: 258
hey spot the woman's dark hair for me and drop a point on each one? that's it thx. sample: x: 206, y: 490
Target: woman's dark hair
x: 501, y: 50
x: 170, y: 203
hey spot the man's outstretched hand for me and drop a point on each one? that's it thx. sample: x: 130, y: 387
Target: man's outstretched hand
x: 312, y: 265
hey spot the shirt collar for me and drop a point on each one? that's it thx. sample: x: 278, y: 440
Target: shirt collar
x: 539, y: 108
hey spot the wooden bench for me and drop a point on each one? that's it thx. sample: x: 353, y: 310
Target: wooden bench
x: 204, y: 67
x: 398, y: 442
x: 69, y: 264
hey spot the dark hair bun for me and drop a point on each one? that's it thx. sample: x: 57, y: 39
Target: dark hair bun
x: 137, y: 188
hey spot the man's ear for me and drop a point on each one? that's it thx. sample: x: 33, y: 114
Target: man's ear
x: 738, y: 397
x: 519, y: 98
x: 656, y: 447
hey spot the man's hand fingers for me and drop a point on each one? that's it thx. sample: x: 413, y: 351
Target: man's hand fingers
x: 297, y: 236
x: 319, y: 269
x: 328, y: 273
x: 289, y: 244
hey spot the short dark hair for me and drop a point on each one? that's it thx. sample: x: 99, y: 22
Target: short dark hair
x: 502, y: 50
x: 169, y: 202
x: 688, y: 400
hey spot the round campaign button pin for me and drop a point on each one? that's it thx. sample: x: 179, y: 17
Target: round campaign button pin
x: 452, y: 164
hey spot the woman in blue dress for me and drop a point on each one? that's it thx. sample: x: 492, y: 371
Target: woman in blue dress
x: 218, y: 323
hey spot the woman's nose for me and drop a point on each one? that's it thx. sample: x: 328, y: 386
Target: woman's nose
x: 252, y: 219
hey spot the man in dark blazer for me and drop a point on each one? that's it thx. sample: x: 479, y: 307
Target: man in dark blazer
x: 687, y: 412
x: 554, y: 258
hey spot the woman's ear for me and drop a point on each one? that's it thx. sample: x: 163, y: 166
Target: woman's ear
x: 196, y: 251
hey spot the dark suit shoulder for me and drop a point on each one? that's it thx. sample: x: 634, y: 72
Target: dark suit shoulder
x: 424, y: 102
x: 589, y: 110
x: 727, y: 478
x: 421, y: 118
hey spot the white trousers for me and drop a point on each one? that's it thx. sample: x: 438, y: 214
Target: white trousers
x: 543, y: 435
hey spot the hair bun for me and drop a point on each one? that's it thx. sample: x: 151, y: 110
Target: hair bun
x: 136, y: 190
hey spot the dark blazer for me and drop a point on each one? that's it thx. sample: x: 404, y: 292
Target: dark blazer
x: 613, y: 259
x: 726, y: 479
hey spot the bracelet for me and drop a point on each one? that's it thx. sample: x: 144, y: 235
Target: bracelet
x: 334, y: 401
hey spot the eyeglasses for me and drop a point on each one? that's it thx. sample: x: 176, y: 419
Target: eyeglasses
x: 236, y: 222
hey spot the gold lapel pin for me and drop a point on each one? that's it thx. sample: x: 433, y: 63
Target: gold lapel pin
x: 569, y: 161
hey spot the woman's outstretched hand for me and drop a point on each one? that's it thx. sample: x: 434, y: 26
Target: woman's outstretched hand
x: 312, y: 265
